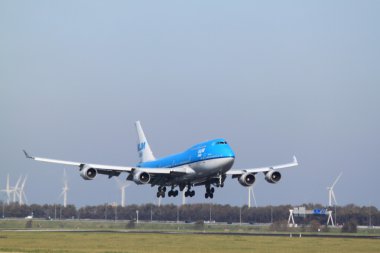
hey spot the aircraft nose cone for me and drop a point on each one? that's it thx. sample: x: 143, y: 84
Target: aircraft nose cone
x: 230, y: 153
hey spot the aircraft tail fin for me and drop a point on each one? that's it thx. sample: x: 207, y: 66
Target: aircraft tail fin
x: 143, y: 148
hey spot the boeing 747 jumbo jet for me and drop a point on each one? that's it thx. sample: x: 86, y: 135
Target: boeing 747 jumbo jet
x: 207, y: 163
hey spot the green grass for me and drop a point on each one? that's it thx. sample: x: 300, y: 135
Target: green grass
x: 112, y: 225
x: 156, y: 226
x: 157, y: 243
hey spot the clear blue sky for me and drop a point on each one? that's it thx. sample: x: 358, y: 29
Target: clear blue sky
x: 275, y: 78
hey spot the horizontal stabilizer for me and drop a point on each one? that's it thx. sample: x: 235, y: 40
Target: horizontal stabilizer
x: 26, y: 154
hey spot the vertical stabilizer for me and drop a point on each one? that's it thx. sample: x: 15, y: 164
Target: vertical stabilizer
x: 145, y: 153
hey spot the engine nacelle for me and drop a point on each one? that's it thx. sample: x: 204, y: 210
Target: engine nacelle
x: 141, y: 177
x: 247, y: 179
x: 88, y: 173
x: 272, y: 176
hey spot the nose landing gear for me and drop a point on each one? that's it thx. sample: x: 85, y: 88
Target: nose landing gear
x: 161, y: 191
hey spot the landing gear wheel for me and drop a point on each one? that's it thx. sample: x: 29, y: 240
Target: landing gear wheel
x: 212, y: 190
x: 211, y: 195
x: 192, y: 193
x: 161, y: 192
x: 206, y: 195
x: 186, y: 194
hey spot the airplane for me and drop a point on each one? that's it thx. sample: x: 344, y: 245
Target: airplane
x: 207, y: 163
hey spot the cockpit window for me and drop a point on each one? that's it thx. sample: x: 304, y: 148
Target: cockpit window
x: 221, y: 142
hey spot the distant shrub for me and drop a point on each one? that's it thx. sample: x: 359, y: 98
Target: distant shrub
x: 199, y: 225
x: 315, y: 226
x: 131, y: 224
x: 29, y: 224
x: 325, y: 229
x: 280, y: 226
x: 350, y: 227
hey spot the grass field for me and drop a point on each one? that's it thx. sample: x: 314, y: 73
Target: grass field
x: 156, y: 226
x: 157, y: 243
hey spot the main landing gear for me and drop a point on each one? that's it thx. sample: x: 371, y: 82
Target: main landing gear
x: 189, y: 193
x: 162, y: 189
x: 209, y: 191
x: 173, y: 192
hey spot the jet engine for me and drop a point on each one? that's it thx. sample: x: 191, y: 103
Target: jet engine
x: 141, y: 177
x: 272, y: 176
x: 88, y: 173
x: 247, y: 179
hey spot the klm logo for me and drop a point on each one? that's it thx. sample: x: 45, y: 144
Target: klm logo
x: 201, y: 151
x: 141, y: 146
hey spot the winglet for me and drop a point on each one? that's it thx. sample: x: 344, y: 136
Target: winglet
x: 295, y: 160
x: 26, y: 154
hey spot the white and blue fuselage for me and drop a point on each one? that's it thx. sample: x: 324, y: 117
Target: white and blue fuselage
x: 206, y: 159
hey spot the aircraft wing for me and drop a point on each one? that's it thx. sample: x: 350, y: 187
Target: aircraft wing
x: 112, y: 169
x: 264, y: 169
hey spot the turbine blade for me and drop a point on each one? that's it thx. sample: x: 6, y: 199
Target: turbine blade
x: 8, y: 187
x: 18, y: 182
x: 330, y: 190
x: 118, y: 182
x: 25, y: 198
x: 253, y: 195
x: 333, y: 196
x: 336, y: 180
x: 23, y: 182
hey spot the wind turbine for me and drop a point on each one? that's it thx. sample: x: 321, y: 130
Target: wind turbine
x: 21, y: 192
x: 15, y: 189
x: 7, y: 190
x: 251, y: 193
x: 65, y: 189
x: 122, y: 186
x: 330, y: 190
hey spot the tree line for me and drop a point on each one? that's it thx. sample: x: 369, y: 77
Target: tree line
x: 363, y: 215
